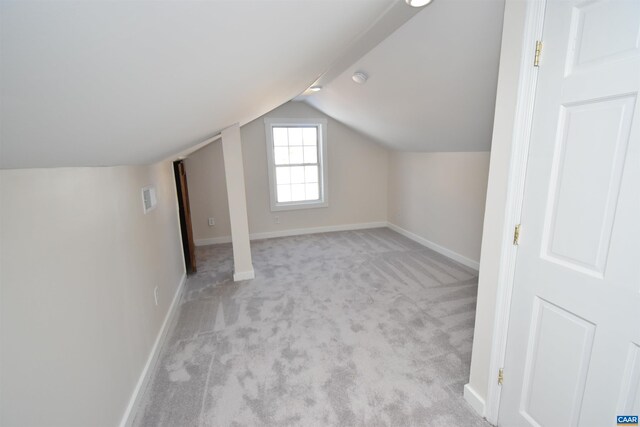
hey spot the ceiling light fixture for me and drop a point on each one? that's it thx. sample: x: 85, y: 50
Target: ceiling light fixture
x: 418, y: 3
x: 315, y: 88
x: 359, y: 77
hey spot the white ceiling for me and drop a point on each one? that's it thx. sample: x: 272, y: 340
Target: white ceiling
x: 90, y: 83
x: 432, y: 83
x: 97, y: 83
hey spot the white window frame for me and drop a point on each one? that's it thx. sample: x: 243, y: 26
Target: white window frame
x: 321, y: 124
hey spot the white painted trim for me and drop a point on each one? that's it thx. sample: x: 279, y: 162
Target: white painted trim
x: 244, y: 275
x: 515, y: 193
x: 349, y: 227
x: 295, y: 232
x: 474, y: 399
x: 323, y: 168
x: 187, y: 152
x: 436, y: 247
x: 315, y: 230
x: 212, y: 241
x: 127, y: 418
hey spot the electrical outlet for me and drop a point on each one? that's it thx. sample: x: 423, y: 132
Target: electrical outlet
x: 276, y: 219
x: 211, y: 222
x: 155, y: 294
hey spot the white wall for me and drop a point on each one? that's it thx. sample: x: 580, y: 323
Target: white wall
x: 357, y: 181
x: 493, y: 235
x: 440, y: 197
x: 79, y: 263
x: 208, y: 191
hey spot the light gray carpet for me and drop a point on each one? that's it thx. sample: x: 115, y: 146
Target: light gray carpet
x: 358, y: 328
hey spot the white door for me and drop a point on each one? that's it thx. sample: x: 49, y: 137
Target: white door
x: 573, y: 349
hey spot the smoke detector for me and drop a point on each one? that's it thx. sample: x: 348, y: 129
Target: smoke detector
x: 417, y: 3
x: 360, y: 77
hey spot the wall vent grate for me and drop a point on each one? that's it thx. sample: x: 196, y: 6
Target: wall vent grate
x: 149, y: 199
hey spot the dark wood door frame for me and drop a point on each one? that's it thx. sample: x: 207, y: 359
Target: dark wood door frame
x: 184, y: 208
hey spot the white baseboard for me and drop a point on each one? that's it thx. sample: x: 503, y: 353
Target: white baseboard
x: 295, y: 232
x: 348, y: 227
x: 244, y: 275
x: 474, y: 399
x: 127, y: 418
x: 212, y: 241
x: 315, y: 230
x: 434, y: 246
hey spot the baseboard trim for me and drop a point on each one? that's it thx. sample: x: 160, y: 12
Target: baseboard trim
x: 244, y: 275
x: 348, y: 227
x: 474, y: 400
x: 436, y: 247
x: 295, y: 232
x: 316, y: 230
x: 212, y: 241
x: 127, y: 419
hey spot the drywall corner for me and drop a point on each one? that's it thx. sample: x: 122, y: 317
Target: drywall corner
x: 141, y: 385
x: 474, y: 400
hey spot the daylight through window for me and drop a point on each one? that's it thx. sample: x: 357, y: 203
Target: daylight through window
x: 295, y: 152
x: 296, y: 169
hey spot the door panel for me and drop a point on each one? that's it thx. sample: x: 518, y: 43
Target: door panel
x: 582, y: 160
x: 630, y: 395
x: 603, y: 31
x: 572, y: 349
x: 184, y: 208
x: 560, y: 339
x: 184, y: 187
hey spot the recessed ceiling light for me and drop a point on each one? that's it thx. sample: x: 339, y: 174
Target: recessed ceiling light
x: 418, y: 3
x: 315, y: 88
x: 359, y: 77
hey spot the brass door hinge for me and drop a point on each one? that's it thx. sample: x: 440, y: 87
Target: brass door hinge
x: 536, y: 58
x: 500, y: 376
x: 516, y: 235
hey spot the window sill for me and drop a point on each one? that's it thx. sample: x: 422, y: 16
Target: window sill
x: 298, y: 206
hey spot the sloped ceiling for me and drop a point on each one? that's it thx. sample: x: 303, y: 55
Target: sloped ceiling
x: 91, y: 83
x: 432, y: 83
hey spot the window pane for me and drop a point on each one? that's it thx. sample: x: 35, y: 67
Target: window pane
x: 280, y: 136
x: 281, y: 155
x: 310, y: 174
x: 295, y: 136
x: 297, y: 174
x: 297, y: 192
x: 284, y: 193
x: 283, y: 175
x: 310, y: 155
x: 312, y: 192
x: 295, y: 155
x: 310, y: 136
x: 297, y: 145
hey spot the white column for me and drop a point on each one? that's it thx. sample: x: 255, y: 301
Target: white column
x: 234, y: 172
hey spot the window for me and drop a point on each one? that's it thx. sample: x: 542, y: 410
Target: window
x: 297, y: 153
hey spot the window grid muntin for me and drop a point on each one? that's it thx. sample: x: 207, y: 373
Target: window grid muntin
x: 286, y: 189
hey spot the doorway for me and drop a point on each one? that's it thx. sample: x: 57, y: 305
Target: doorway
x: 573, y: 346
x: 184, y: 208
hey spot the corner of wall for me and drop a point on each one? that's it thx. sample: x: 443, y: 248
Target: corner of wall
x: 474, y: 399
x: 154, y: 353
x: 504, y: 120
